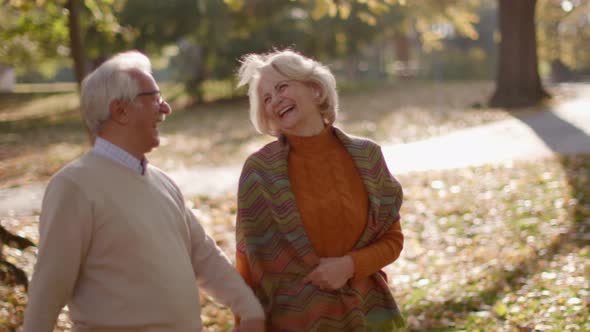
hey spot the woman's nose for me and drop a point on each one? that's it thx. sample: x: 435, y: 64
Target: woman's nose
x: 276, y: 99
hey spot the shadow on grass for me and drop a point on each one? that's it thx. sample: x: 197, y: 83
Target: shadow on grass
x: 567, y: 141
x: 15, y: 100
x: 510, y: 280
x: 39, y: 134
x: 24, y: 112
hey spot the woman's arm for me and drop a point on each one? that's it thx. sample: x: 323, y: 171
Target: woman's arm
x: 333, y: 272
x: 243, y: 268
x: 379, y: 254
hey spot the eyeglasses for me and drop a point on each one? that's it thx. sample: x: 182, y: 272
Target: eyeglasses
x: 156, y: 94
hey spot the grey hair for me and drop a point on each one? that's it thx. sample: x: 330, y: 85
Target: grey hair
x: 293, y: 66
x: 111, y: 80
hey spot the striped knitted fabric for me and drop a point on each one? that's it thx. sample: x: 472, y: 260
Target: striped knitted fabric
x: 271, y: 235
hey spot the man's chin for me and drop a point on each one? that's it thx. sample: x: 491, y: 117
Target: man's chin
x: 154, y: 145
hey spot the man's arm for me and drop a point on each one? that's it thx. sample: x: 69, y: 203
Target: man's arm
x: 64, y: 234
x: 217, y: 276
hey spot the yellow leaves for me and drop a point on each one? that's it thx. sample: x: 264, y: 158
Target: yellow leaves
x: 27, y: 4
x: 323, y: 8
x: 367, y: 18
x: 377, y: 7
x: 464, y: 21
x: 103, y: 14
x: 235, y: 5
x: 431, y: 40
x: 343, y: 9
x: 341, y: 42
x: 500, y: 309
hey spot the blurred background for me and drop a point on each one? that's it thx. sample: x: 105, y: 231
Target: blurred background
x: 196, y: 43
x: 481, y: 108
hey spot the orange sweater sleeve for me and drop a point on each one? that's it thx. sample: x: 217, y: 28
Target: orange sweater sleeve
x: 243, y: 268
x: 374, y: 257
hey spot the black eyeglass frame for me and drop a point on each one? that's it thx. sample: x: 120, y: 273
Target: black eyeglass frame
x: 157, y: 93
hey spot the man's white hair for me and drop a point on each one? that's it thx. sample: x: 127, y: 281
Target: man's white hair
x: 111, y: 80
x: 293, y: 66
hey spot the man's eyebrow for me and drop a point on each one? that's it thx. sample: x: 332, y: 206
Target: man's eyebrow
x: 148, y: 93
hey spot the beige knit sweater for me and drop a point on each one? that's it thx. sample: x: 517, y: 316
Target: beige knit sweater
x: 123, y: 251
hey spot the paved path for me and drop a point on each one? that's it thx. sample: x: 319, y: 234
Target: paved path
x: 564, y: 129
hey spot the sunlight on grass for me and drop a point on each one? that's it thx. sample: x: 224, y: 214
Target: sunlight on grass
x: 54, y: 87
x: 491, y: 248
x: 30, y: 108
x: 466, y: 263
x: 495, y: 255
x: 221, y: 133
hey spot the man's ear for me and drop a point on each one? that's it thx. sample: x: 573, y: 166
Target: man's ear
x: 118, y: 110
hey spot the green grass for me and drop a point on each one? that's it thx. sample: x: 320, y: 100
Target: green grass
x: 508, y: 275
x: 491, y: 275
x: 33, y: 128
x: 491, y: 248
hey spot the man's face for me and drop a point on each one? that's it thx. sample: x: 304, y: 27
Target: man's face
x: 145, y: 112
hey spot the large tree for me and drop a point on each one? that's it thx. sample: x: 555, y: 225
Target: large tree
x: 518, y: 83
x: 76, y: 45
x: 562, y: 26
x: 38, y: 32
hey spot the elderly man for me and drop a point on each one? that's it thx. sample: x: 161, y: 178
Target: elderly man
x: 117, y: 243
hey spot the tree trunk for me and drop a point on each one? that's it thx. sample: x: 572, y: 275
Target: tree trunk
x: 194, y: 86
x: 517, y: 83
x: 76, y: 46
x: 77, y: 52
x: 401, y: 44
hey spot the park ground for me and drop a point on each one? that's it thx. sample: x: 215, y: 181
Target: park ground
x: 502, y: 247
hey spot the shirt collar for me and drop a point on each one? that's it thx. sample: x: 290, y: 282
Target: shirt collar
x: 115, y: 153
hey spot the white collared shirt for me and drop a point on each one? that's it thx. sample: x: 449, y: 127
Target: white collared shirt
x: 115, y: 153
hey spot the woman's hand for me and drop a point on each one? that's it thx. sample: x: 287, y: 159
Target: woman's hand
x: 332, y: 273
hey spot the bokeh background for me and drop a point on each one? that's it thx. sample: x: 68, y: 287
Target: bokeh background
x: 501, y: 245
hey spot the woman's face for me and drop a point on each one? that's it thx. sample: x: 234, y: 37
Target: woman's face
x: 291, y: 107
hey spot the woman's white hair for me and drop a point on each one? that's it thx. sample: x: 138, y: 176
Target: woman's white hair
x: 293, y: 66
x: 111, y: 80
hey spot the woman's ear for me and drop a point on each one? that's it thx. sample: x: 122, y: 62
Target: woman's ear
x: 118, y: 110
x: 316, y: 89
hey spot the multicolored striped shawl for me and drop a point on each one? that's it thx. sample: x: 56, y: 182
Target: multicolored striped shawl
x: 271, y: 235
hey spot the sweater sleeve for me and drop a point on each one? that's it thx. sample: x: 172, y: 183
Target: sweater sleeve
x: 244, y: 268
x: 64, y: 236
x: 216, y: 275
x: 374, y: 257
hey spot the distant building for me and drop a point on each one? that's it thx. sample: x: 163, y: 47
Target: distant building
x: 7, y: 78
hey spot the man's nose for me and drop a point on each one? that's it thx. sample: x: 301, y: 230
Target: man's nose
x: 165, y: 108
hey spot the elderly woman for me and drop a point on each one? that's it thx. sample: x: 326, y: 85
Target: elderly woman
x: 318, y: 210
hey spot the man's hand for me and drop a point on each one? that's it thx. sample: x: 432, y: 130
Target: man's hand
x: 253, y: 325
x: 332, y: 273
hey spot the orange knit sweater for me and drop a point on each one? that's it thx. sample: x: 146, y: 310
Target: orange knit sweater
x: 333, y: 205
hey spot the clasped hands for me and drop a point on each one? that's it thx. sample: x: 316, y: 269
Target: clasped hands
x: 331, y: 273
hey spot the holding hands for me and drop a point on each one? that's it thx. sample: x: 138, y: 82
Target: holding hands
x: 332, y: 273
